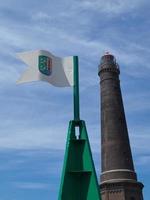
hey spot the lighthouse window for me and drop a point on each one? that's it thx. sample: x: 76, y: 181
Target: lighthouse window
x: 102, y: 60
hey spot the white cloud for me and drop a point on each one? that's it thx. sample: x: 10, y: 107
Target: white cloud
x: 40, y: 16
x: 30, y: 138
x: 140, y: 147
x: 112, y: 6
x: 143, y: 161
x: 137, y: 101
x: 31, y: 185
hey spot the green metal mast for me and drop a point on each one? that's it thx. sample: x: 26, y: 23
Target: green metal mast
x: 79, y: 181
x: 76, y: 89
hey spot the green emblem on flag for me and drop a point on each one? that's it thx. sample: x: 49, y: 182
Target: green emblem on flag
x: 45, y: 65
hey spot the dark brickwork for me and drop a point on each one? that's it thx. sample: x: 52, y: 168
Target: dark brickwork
x: 118, y: 177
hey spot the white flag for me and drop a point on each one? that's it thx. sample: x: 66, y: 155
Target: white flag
x: 44, y: 66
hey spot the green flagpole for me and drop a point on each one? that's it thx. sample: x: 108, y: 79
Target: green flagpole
x: 76, y: 88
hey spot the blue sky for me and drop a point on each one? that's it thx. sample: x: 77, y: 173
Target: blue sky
x: 34, y: 117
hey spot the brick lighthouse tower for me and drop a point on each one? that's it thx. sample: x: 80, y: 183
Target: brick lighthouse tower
x: 118, y: 177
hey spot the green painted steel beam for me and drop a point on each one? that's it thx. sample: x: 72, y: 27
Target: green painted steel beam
x: 79, y: 181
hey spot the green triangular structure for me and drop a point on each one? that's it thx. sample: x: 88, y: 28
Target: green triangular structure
x: 79, y: 181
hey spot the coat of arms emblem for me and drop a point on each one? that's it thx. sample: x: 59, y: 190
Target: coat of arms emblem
x: 45, y: 65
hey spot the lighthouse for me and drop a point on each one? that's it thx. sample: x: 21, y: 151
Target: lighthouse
x: 118, y: 180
